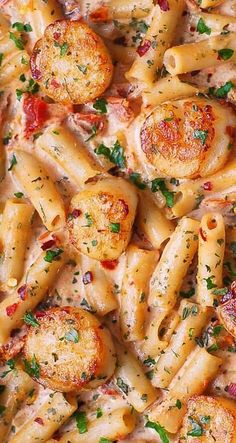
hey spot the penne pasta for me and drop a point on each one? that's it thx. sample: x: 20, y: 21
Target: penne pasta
x: 210, y: 258
x: 132, y: 381
x: 199, y: 369
x: 100, y: 291
x: 117, y: 424
x: 167, y: 88
x: 133, y: 301
x: 157, y: 39
x: 40, y: 189
x: 14, y: 233
x: 173, y: 265
x: 152, y: 222
x: 63, y: 147
x: 121, y: 9
x: 182, y: 342
x: 50, y: 416
x: 38, y: 280
x: 199, y: 55
x: 189, y: 196
x: 18, y: 387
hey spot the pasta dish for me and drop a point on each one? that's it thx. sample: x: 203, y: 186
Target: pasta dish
x: 117, y: 221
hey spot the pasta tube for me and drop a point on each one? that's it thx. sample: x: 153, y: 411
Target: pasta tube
x: 133, y: 301
x: 152, y: 222
x: 199, y: 369
x: 63, y: 147
x: 40, y: 189
x: 18, y: 387
x: 49, y: 417
x: 14, y: 234
x: 132, y: 381
x: 117, y: 424
x: 199, y: 55
x: 188, y: 195
x: 37, y: 282
x: 157, y: 39
x: 168, y: 276
x: 210, y: 257
x: 193, y: 319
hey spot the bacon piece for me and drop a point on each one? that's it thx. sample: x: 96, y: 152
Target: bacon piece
x: 84, y: 122
x: 100, y: 14
x: 39, y: 420
x: 164, y: 5
x: 208, y: 186
x: 121, y: 109
x: 36, y: 113
x: 231, y: 389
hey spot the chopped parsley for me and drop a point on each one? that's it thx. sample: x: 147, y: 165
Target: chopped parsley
x: 158, y: 184
x: 101, y: 105
x: 104, y: 440
x: 72, y: 335
x: 187, y: 294
x: 209, y: 282
x: 196, y: 430
x: 21, y: 27
x: 225, y: 54
x: 2, y: 410
x: 221, y: 92
x: 135, y: 177
x: 99, y: 413
x: 32, y: 367
x: 12, y: 163
x: 1, y: 58
x: 18, y: 41
x: 122, y: 385
x: 201, y: 135
x: 202, y: 28
x: 30, y: 319
x: 11, y: 364
x: 115, y: 154
x: 159, y: 429
x: 82, y: 68
x: 63, y: 48
x: 89, y: 220
x: 53, y: 254
x: 81, y: 421
x: 189, y: 311
x: 178, y: 404
x: 93, y: 133
x: 115, y: 227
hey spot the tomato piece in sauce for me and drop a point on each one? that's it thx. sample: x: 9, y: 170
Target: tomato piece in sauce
x: 36, y: 113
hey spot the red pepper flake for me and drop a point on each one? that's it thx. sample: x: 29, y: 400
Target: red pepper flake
x: 164, y: 4
x: 202, y: 234
x: 192, y: 29
x: 208, y: 186
x: 87, y: 278
x: 109, y: 264
x: 40, y: 314
x: 10, y: 310
x: 48, y: 244
x: 143, y: 48
x: 76, y: 213
x: 39, y: 420
x: 22, y: 291
x: 231, y: 389
x: 56, y: 35
x: 55, y: 83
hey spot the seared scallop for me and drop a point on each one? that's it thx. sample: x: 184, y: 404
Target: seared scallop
x: 101, y: 218
x: 188, y: 138
x: 70, y: 349
x: 209, y: 420
x: 71, y: 63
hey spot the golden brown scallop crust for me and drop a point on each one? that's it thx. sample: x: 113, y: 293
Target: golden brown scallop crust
x: 71, y: 63
x: 209, y: 420
x: 182, y: 138
x: 72, y: 349
x: 101, y: 218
